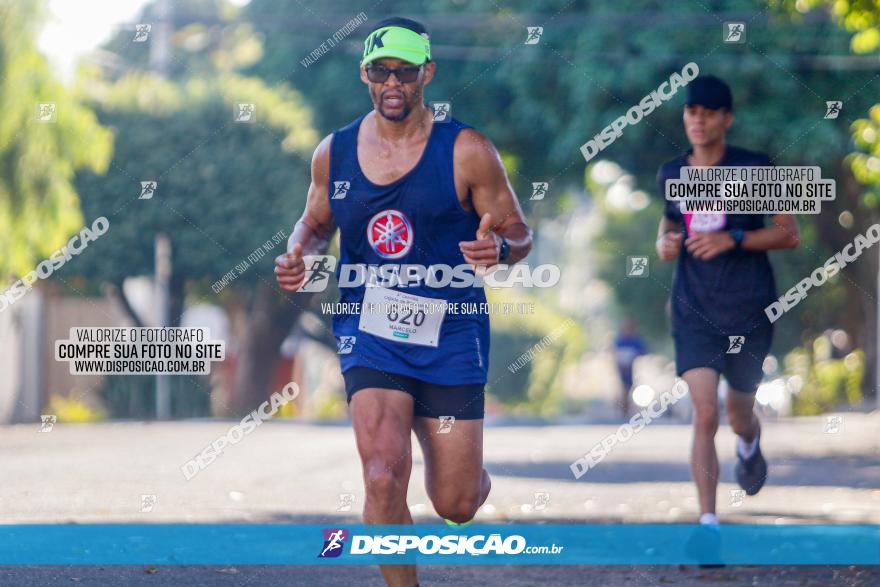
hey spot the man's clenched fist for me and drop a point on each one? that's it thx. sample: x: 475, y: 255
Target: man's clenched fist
x: 483, y: 252
x: 708, y: 245
x: 290, y: 269
x: 669, y: 245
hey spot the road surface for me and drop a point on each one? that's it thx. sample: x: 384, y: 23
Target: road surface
x: 290, y: 472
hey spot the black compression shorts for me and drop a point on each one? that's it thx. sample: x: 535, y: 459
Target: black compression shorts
x: 463, y: 402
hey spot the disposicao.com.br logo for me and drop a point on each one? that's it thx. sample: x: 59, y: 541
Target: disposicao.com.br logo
x: 429, y: 544
x: 334, y: 542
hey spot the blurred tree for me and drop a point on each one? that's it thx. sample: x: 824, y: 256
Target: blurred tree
x: 39, y: 207
x: 540, y: 102
x: 224, y: 188
x: 858, y: 207
x: 860, y: 17
x: 627, y: 217
x: 206, y: 38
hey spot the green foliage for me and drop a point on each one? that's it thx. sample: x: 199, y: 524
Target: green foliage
x: 39, y: 207
x: 866, y: 162
x: 206, y: 39
x: 540, y: 103
x: 134, y: 396
x: 828, y: 384
x: 73, y: 410
x: 861, y: 17
x: 224, y: 188
x: 330, y: 407
x: 629, y: 231
x: 548, y: 345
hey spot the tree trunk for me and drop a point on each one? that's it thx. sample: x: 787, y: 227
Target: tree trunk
x: 269, y: 320
x: 117, y: 293
x: 176, y: 299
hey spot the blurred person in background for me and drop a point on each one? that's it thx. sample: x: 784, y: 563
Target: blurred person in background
x: 628, y: 346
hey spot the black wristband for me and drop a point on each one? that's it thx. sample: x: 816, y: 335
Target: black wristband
x: 504, y: 249
x: 738, y: 234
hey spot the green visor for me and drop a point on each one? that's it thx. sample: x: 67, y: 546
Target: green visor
x: 398, y: 42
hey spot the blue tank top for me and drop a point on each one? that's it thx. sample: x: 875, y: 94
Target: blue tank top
x: 415, y: 220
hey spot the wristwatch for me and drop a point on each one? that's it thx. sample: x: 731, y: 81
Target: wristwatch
x: 504, y: 249
x: 738, y: 234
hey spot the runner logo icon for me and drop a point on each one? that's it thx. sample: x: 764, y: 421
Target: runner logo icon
x: 832, y: 109
x: 334, y: 541
x: 735, y: 32
x: 345, y: 345
x: 539, y: 190
x: 442, y: 111
x: 319, y: 268
x: 390, y: 234
x: 340, y: 190
x: 636, y: 266
x: 736, y: 344
x: 534, y: 34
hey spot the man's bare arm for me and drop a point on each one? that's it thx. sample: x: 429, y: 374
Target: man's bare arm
x: 491, y: 193
x: 316, y: 225
x: 668, y: 239
x: 311, y: 234
x: 783, y: 234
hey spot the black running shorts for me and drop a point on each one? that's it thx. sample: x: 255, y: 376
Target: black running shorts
x: 741, y: 362
x: 463, y: 402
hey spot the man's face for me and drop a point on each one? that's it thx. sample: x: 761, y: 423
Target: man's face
x: 392, y: 99
x: 705, y: 126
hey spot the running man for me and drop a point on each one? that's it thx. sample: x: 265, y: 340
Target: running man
x: 419, y: 193
x: 723, y: 282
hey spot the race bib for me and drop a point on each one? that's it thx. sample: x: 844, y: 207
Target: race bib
x: 402, y: 317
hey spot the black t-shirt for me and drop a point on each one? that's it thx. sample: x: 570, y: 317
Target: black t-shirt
x: 726, y: 294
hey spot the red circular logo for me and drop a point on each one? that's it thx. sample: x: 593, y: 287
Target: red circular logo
x: 390, y: 234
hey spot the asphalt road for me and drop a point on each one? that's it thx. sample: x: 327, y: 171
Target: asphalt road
x: 507, y: 576
x: 288, y: 472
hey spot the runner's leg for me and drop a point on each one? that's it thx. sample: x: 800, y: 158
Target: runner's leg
x: 626, y: 393
x: 744, y: 371
x: 703, y: 385
x: 751, y: 467
x: 741, y: 414
x: 382, y: 420
x: 455, y: 478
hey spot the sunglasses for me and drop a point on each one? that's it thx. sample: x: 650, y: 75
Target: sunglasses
x: 378, y: 74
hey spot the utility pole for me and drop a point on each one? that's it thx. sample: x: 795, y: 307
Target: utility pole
x: 160, y: 51
x: 162, y: 279
x: 160, y: 55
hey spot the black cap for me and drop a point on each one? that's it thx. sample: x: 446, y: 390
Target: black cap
x: 710, y: 92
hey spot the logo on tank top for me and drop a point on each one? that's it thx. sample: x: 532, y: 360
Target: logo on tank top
x: 390, y: 234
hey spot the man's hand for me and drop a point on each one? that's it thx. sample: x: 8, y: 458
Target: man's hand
x: 484, y: 251
x: 668, y: 245
x: 290, y: 269
x: 708, y: 245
